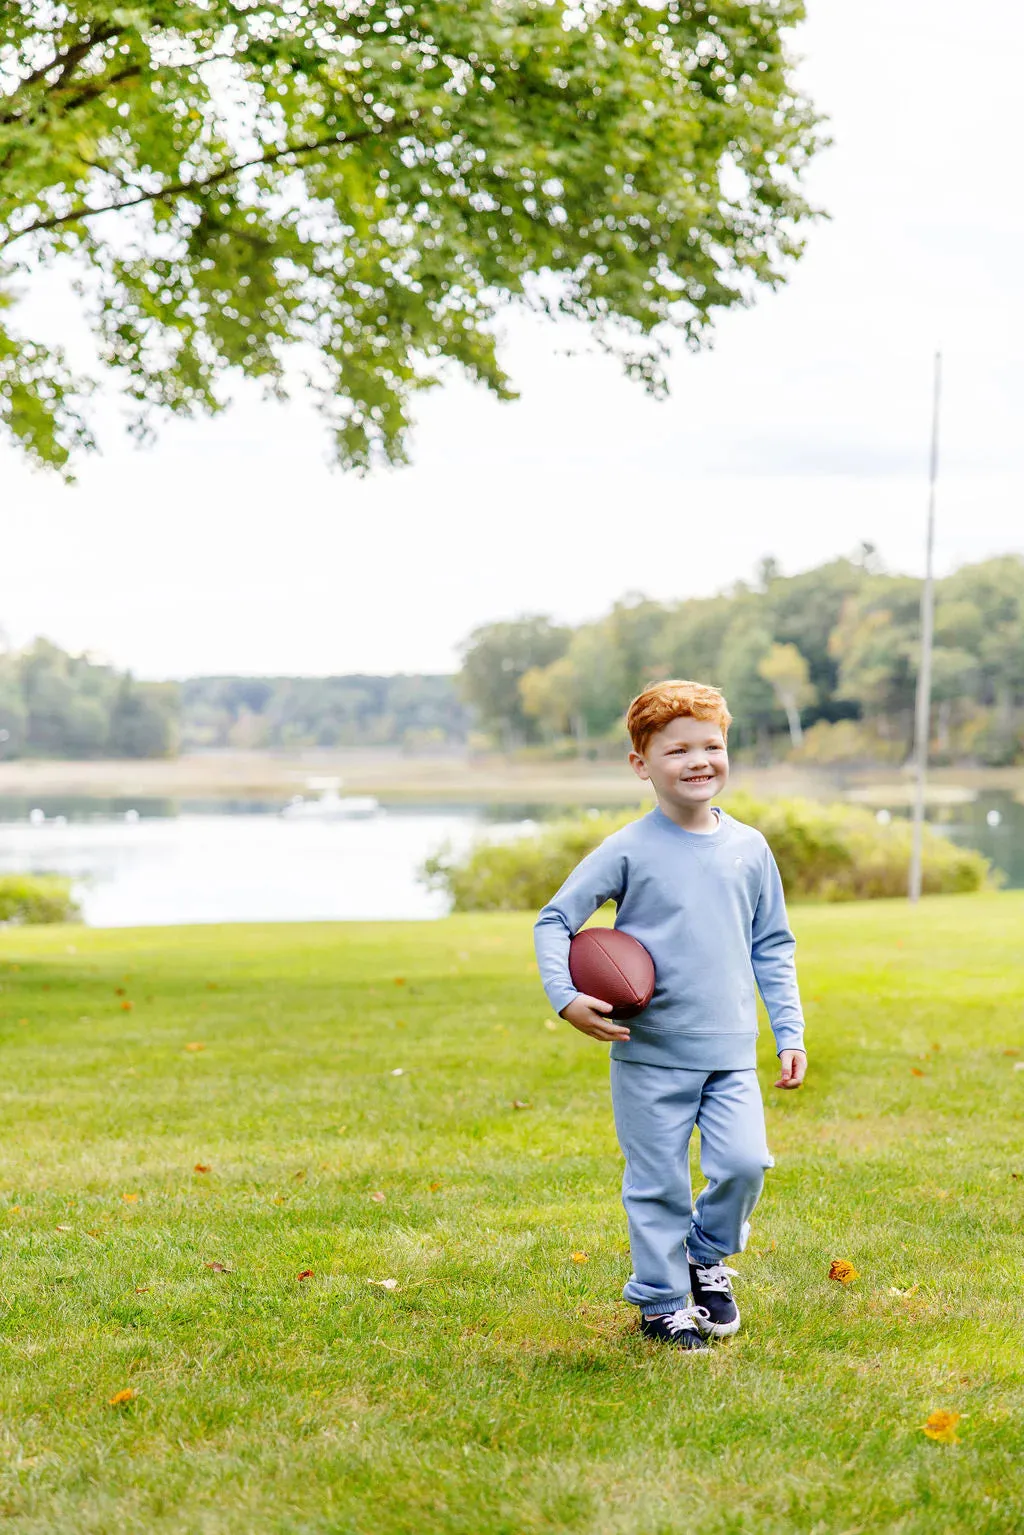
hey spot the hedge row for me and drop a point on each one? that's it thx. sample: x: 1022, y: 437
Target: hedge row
x: 824, y: 852
x: 36, y: 898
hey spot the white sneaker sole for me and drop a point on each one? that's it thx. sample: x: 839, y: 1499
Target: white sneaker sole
x: 719, y: 1329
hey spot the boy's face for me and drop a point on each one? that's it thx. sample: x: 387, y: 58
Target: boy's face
x: 686, y: 761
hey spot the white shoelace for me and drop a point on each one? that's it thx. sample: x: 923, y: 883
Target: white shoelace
x: 683, y: 1319
x: 715, y: 1277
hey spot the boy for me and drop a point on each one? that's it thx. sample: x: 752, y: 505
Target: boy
x: 701, y: 891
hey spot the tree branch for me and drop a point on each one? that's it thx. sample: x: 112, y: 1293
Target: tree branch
x: 178, y: 188
x: 68, y: 61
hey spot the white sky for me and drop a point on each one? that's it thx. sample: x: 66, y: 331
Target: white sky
x: 232, y: 547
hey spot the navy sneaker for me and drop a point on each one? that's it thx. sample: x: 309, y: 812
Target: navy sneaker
x: 717, y: 1313
x: 678, y: 1327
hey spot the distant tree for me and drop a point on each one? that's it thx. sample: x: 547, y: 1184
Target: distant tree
x: 143, y: 721
x: 788, y: 674
x: 745, y: 644
x: 367, y: 184
x: 494, y: 659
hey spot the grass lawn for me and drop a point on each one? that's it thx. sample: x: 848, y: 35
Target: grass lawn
x: 385, y: 1102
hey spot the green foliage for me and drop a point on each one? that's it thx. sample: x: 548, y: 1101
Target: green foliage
x: 369, y: 185
x: 495, y: 657
x: 500, y: 1388
x: 836, y: 646
x: 57, y: 705
x: 414, y: 712
x: 32, y: 898
x: 824, y: 853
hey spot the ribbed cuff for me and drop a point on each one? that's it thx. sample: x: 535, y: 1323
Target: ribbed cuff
x: 658, y: 1307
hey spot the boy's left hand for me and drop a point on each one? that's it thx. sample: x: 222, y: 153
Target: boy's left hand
x: 793, y: 1064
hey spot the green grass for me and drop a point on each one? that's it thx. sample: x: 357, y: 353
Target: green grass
x: 501, y: 1388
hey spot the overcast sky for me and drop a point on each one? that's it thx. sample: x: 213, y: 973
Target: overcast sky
x: 232, y: 547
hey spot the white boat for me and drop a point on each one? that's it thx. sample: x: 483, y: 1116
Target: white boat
x: 329, y: 805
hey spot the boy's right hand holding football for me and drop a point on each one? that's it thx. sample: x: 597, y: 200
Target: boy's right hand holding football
x: 589, y: 1015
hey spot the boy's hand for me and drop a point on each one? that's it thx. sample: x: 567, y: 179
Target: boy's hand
x: 793, y: 1064
x: 588, y: 1015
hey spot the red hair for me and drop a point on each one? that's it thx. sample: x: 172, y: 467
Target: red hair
x: 660, y: 702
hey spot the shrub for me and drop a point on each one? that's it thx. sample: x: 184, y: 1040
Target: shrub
x: 824, y: 852
x: 36, y: 898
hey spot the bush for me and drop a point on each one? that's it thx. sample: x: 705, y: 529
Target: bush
x: 824, y: 852
x: 36, y: 898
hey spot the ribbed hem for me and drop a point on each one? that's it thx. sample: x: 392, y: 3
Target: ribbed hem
x: 694, y: 1052
x: 656, y: 1307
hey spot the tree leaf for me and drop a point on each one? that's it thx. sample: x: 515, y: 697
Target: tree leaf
x: 842, y: 1271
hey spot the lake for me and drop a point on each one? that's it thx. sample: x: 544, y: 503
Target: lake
x: 157, y: 862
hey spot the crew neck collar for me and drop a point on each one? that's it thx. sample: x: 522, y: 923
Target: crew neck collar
x: 695, y: 836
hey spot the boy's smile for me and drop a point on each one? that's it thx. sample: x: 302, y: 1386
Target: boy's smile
x: 687, y: 763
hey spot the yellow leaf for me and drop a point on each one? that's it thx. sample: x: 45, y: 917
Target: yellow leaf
x: 378, y: 1197
x: 843, y: 1271
x: 941, y: 1426
x: 581, y: 1257
x: 195, y: 1046
x: 201, y: 1167
x: 130, y: 1199
x: 119, y: 1398
x: 65, y: 1228
x: 549, y: 1023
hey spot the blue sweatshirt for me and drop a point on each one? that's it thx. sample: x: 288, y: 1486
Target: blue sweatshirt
x: 709, y: 908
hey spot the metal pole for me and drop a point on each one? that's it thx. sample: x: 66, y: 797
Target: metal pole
x: 922, y: 721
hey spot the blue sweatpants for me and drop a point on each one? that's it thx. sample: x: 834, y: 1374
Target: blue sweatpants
x: 656, y: 1108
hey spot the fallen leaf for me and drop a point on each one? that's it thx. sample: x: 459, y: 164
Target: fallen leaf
x: 126, y: 1007
x: 936, y: 1047
x: 913, y: 1289
x: 1011, y: 1052
x: 378, y: 1197
x: 120, y: 1398
x: 142, y: 1289
x: 399, y: 980
x: 398, y: 1071
x: 195, y: 1046
x: 300, y: 1174
x: 581, y: 1257
x: 517, y: 1103
x: 915, y: 1071
x: 549, y: 1023
x: 1018, y: 1065
x: 201, y: 1167
x: 17, y: 1208
x: 843, y: 1271
x: 64, y: 1228
x: 435, y: 1186
x: 1012, y: 1175
x: 130, y: 1199
x: 385, y: 1284
x: 305, y: 1274
x: 218, y: 1268
x: 280, y: 1199
x: 211, y: 985
x: 118, y: 991
x: 941, y: 1426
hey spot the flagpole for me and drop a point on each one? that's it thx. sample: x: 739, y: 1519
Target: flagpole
x: 922, y: 721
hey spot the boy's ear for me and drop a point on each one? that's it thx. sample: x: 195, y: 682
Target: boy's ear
x: 638, y: 765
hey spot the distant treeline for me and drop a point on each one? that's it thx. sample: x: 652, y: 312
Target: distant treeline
x: 821, y: 666
x: 416, y: 713
x: 56, y: 705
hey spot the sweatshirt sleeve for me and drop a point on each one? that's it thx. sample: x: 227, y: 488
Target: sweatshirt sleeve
x: 772, y: 952
x: 597, y: 878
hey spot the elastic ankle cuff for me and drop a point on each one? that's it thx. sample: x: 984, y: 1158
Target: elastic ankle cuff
x: 662, y: 1307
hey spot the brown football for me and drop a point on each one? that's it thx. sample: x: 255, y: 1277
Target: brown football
x: 614, y: 967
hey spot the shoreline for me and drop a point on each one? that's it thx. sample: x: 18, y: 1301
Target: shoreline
x: 395, y: 778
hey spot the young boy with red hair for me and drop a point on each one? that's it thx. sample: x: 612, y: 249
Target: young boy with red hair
x: 701, y: 891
